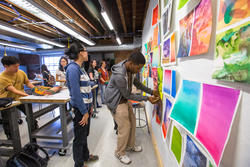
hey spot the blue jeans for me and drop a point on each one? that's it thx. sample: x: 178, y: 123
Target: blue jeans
x: 103, y: 88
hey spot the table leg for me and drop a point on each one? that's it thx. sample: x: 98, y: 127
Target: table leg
x: 14, y: 130
x: 64, y: 124
x: 30, y: 120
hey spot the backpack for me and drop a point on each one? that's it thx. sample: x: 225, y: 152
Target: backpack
x: 32, y: 155
x: 5, y: 102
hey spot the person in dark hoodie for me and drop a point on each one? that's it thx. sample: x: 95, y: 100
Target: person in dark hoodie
x: 79, y: 86
x: 116, y: 96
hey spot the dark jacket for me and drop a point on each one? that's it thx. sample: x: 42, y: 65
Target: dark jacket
x: 118, y: 87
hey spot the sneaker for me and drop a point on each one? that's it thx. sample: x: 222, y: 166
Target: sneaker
x: 134, y: 149
x: 123, y: 159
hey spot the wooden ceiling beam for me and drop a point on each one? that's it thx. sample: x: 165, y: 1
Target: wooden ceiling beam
x: 65, y: 10
x: 133, y: 14
x: 81, y: 16
x: 119, y: 5
x: 9, y: 15
x: 145, y: 12
x: 60, y: 16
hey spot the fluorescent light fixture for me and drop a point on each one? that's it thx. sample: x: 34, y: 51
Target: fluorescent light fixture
x: 45, y: 46
x: 9, y: 28
x: 36, y: 10
x: 17, y: 46
x: 118, y: 40
x: 106, y: 18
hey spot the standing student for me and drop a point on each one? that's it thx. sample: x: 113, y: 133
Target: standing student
x: 94, y: 76
x: 60, y: 72
x: 104, y: 79
x: 47, y: 77
x: 117, y: 95
x: 79, y: 86
x: 12, y: 82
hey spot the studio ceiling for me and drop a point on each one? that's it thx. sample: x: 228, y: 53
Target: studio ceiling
x: 83, y: 16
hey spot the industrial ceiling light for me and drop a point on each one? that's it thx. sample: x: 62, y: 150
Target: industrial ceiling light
x: 118, y: 40
x: 106, y: 18
x: 9, y: 28
x: 17, y: 46
x: 43, y: 14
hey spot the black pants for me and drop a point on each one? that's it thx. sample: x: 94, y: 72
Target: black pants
x: 80, y: 144
x: 6, y: 117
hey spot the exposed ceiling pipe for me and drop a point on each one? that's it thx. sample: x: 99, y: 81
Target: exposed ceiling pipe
x: 94, y: 12
x: 95, y: 49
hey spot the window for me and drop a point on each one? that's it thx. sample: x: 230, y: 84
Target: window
x: 52, y: 62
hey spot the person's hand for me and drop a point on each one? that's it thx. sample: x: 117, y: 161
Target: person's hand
x: 153, y: 99
x: 84, y: 120
x: 156, y: 93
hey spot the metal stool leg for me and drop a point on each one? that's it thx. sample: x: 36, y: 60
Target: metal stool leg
x: 139, y: 115
x: 144, y: 108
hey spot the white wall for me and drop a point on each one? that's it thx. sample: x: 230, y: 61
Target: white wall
x: 199, y: 68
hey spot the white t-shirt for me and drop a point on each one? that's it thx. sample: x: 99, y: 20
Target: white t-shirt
x: 61, y: 76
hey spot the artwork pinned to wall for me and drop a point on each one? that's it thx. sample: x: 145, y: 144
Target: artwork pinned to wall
x: 195, y: 30
x: 166, y: 20
x: 182, y: 3
x: 155, y: 15
x: 157, y: 81
x: 176, y: 144
x: 222, y: 102
x: 168, y: 51
x: 232, y: 60
x: 188, y: 101
x: 156, y: 37
x: 146, y: 47
x: 202, y: 28
x: 169, y: 83
x: 166, y: 120
x: 201, y: 102
x: 185, y: 35
x: 232, y: 11
x: 156, y: 57
x: 160, y: 80
x: 187, y: 4
x: 150, y: 45
x: 193, y: 156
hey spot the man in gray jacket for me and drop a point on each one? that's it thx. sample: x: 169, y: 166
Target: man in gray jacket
x: 117, y: 94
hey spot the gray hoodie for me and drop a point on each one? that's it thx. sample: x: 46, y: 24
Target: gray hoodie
x: 118, y: 87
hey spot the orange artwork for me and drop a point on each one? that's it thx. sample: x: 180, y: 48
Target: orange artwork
x: 232, y: 11
x: 155, y: 37
x: 155, y: 15
x: 202, y: 28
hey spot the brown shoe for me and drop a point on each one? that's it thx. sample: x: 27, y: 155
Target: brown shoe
x: 93, y: 158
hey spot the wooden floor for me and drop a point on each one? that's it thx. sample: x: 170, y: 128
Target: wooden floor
x: 102, y: 141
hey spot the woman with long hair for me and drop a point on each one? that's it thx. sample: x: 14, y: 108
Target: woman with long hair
x: 79, y: 86
x: 94, y: 76
x: 104, y: 79
x: 47, y: 77
x: 60, y: 72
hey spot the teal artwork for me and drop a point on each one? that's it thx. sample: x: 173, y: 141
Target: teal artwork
x: 186, y: 107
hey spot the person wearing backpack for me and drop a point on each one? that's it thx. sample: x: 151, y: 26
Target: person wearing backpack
x: 79, y: 85
x: 12, y: 82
